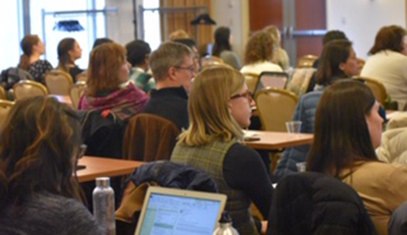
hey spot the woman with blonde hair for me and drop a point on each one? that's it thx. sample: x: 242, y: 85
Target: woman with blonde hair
x: 108, y: 86
x: 40, y: 144
x: 219, y: 107
x: 259, y: 53
x: 33, y: 48
x: 280, y: 56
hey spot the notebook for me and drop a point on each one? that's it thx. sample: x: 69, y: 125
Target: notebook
x: 181, y: 212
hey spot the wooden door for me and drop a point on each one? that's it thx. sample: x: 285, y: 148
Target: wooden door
x: 302, y: 23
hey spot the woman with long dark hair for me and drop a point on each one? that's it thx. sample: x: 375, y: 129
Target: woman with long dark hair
x: 39, y: 190
x: 223, y: 48
x: 68, y: 52
x: 348, y: 128
x: 338, y: 61
x: 33, y: 48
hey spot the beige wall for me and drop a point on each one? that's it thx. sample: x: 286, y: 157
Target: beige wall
x: 235, y: 15
x: 361, y: 19
x: 120, y: 26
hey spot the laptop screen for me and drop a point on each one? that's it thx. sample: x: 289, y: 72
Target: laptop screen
x: 174, y: 214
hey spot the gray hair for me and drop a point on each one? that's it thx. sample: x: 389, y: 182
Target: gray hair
x: 169, y: 54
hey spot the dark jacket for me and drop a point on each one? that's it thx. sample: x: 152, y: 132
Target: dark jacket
x: 313, y: 203
x: 398, y: 221
x: 304, y: 112
x: 163, y: 173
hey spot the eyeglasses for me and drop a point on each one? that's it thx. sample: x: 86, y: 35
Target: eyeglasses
x: 190, y: 68
x: 248, y: 95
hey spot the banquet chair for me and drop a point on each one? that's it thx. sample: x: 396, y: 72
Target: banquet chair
x: 76, y: 92
x: 251, y: 81
x: 210, y: 60
x: 58, y: 82
x: 27, y: 88
x: 5, y: 107
x: 82, y: 77
x: 3, y: 94
x: 378, y: 89
x: 306, y: 61
x: 276, y: 107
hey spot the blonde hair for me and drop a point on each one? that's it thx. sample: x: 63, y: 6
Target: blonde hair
x: 274, y: 32
x: 178, y: 34
x: 210, y: 118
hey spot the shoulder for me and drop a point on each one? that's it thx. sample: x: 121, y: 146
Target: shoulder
x: 311, y: 98
x: 243, y: 154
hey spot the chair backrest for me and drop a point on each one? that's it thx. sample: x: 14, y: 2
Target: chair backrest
x: 272, y: 80
x: 76, y: 92
x: 276, y: 107
x: 12, y: 75
x: 306, y: 61
x: 3, y: 94
x: 300, y: 80
x: 377, y: 88
x: 149, y: 138
x: 58, y: 82
x: 251, y: 81
x: 5, y: 107
x: 210, y: 60
x: 27, y: 88
x: 82, y: 77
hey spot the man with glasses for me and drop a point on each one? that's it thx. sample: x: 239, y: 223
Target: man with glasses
x: 173, y: 69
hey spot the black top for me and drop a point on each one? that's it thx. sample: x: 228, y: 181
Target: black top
x: 244, y: 170
x: 169, y: 103
x: 74, y: 71
x: 38, y: 70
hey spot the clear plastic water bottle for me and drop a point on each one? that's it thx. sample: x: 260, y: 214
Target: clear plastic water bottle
x: 225, y: 226
x: 103, y: 205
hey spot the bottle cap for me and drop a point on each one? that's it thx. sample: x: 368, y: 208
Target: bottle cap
x: 225, y: 218
x: 103, y: 181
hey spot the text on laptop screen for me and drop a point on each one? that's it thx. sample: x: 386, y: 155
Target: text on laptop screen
x: 169, y: 214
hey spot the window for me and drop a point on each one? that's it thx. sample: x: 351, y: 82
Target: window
x: 11, y: 33
x: 45, y: 15
x: 151, y: 19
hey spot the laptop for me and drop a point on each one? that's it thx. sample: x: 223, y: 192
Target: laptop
x: 181, y: 212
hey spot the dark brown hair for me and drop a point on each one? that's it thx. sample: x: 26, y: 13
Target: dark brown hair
x: 341, y: 134
x: 222, y: 43
x: 259, y: 48
x: 37, y: 148
x: 389, y: 38
x: 27, y: 44
x: 333, y: 54
x: 64, y: 46
x: 104, y: 66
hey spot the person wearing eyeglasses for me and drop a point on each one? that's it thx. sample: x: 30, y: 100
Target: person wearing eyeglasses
x: 219, y: 108
x: 40, y: 144
x: 173, y: 70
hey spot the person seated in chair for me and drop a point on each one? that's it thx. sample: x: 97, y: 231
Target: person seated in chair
x: 173, y: 70
x: 108, y: 87
x: 39, y: 191
x: 219, y: 107
x: 348, y: 129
